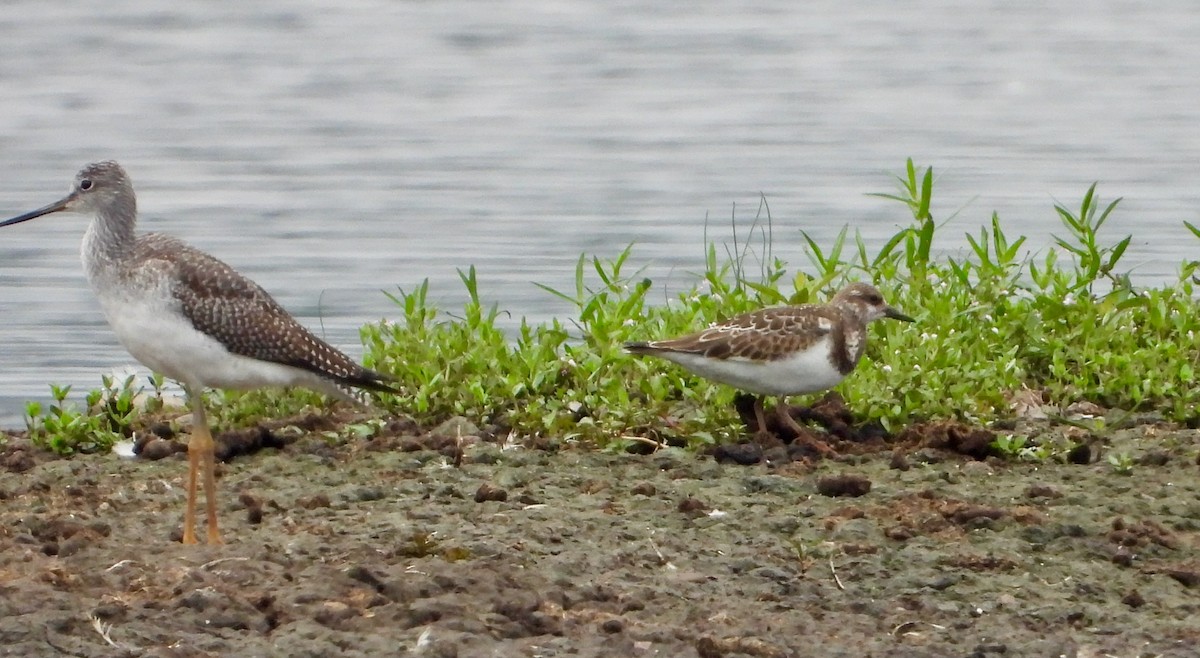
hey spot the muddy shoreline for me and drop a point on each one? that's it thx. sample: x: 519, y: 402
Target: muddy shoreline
x: 904, y: 545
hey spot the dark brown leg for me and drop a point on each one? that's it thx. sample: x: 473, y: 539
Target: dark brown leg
x: 759, y: 416
x: 803, y: 436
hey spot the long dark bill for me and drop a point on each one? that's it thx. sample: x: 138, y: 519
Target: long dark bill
x: 61, y: 204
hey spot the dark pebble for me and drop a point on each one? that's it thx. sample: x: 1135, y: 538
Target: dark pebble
x: 739, y: 453
x: 157, y: 448
x: 230, y: 620
x: 488, y: 491
x: 1041, y: 491
x: 843, y: 485
x: 196, y: 600
x: 74, y: 545
x: 1154, y: 458
x: 776, y: 455
x: 109, y: 611
x: 774, y: 574
x: 487, y: 457
x: 613, y: 626
x: 17, y: 460
x: 633, y: 606
x: 926, y: 456
x: 691, y: 505
x: 423, y: 612
x: 1123, y: 558
x: 706, y: 647
x: 1080, y: 454
x: 333, y: 613
x: 365, y: 576
x: 942, y: 583
x: 898, y: 533
x: 644, y: 489
x: 743, y: 565
x: 540, y: 623
x: 367, y: 494
x: 1134, y: 599
x: 100, y: 528
x: 1185, y: 577
x: 314, y: 501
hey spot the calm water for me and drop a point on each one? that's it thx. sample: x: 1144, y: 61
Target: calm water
x: 331, y: 150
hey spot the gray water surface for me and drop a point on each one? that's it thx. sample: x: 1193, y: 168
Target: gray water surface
x: 332, y: 150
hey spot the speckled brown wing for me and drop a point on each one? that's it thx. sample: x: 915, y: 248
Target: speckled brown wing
x: 766, y: 335
x: 244, y: 318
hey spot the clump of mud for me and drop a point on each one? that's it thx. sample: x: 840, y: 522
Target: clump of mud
x: 828, y: 432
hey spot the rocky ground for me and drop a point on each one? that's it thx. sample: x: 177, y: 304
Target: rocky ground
x: 425, y: 544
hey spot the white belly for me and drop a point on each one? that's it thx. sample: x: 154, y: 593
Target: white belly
x: 806, y: 372
x: 156, y: 333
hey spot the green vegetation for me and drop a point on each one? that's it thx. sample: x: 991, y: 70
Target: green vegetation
x: 1121, y: 463
x: 107, y: 418
x: 1065, y: 322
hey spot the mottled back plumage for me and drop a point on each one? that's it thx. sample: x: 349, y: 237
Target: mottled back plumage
x: 780, y: 332
x: 234, y: 310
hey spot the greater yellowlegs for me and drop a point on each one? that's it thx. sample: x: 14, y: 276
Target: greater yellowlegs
x: 782, y: 351
x: 191, y: 317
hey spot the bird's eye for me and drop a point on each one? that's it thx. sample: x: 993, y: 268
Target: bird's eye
x: 85, y: 184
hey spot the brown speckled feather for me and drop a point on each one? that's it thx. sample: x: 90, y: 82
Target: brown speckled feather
x: 769, y: 334
x: 243, y: 317
x: 779, y: 333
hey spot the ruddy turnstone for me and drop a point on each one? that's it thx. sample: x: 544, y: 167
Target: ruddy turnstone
x: 781, y: 351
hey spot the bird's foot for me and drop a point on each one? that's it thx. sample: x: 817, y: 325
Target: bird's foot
x: 809, y: 442
x: 802, y: 436
x: 766, y: 439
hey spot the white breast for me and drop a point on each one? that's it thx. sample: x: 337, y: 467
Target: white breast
x: 805, y: 372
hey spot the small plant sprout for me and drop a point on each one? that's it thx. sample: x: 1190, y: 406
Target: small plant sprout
x: 1121, y: 463
x: 1009, y: 446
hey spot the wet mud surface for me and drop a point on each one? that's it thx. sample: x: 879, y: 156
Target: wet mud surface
x: 449, y: 543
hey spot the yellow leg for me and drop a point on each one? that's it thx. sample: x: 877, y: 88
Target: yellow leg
x: 201, y: 458
x: 189, y: 513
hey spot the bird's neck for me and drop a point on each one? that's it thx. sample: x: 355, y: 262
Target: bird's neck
x: 109, y: 239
